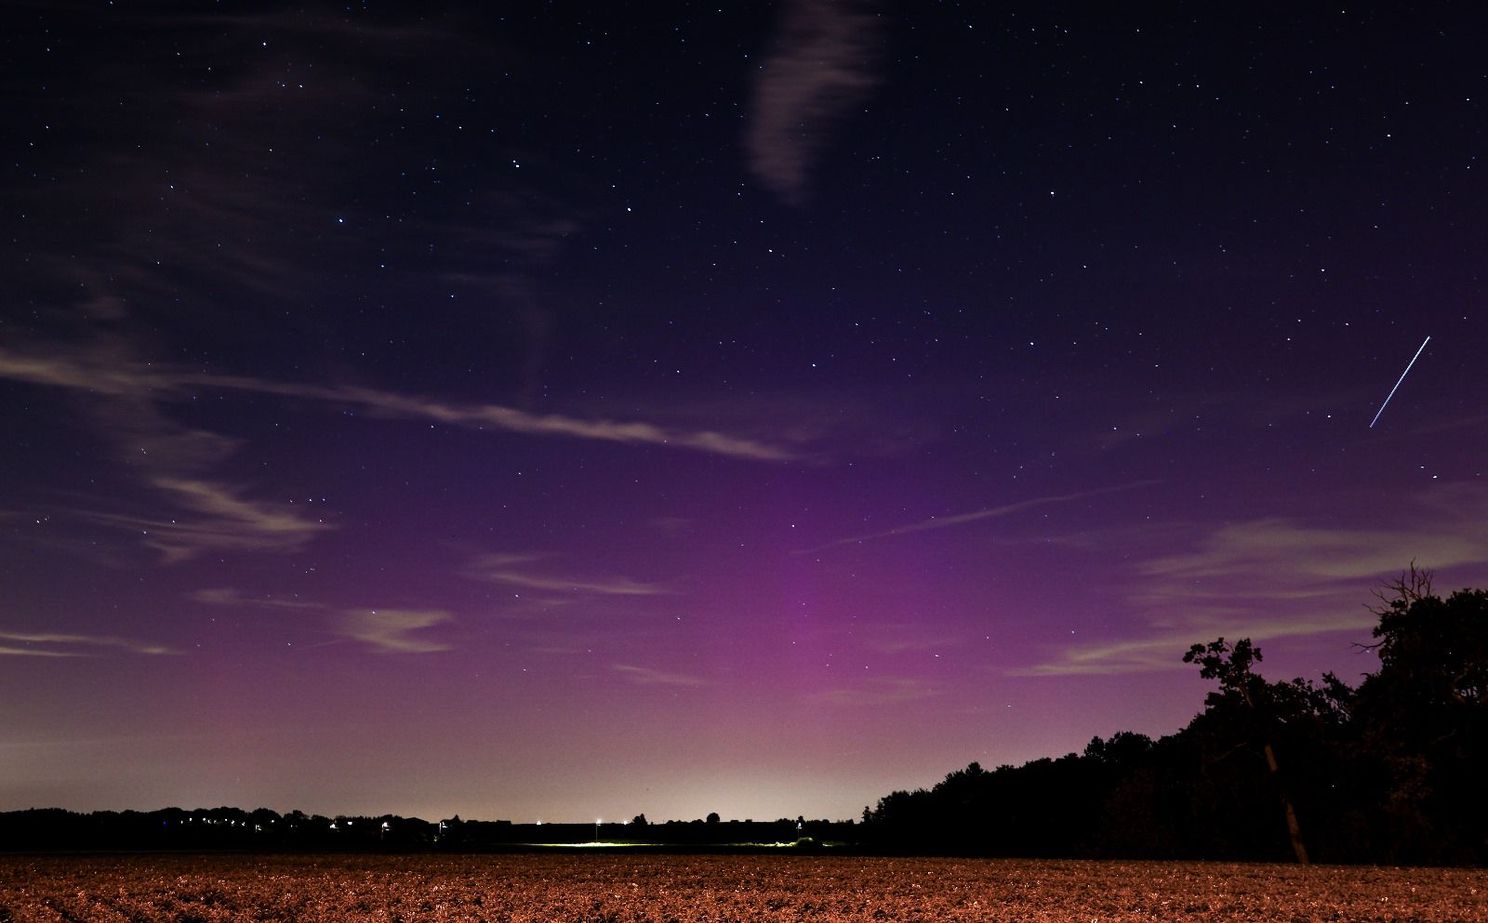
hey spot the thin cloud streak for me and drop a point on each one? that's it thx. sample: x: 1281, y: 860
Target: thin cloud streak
x: 997, y: 512
x: 6, y: 651
x: 227, y: 596
x: 1282, y: 546
x: 1164, y: 652
x: 645, y: 676
x: 511, y: 569
x: 117, y: 381
x: 71, y: 640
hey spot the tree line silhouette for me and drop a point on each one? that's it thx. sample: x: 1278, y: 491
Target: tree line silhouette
x: 263, y: 830
x: 1393, y: 770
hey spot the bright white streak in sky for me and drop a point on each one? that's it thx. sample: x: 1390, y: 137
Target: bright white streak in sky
x: 1397, y: 384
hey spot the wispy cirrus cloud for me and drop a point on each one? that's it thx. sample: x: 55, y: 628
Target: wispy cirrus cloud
x: 495, y: 416
x: 519, y: 570
x: 84, y: 374
x: 646, y: 676
x: 54, y: 644
x: 958, y: 519
x: 390, y: 631
x: 127, y: 399
x: 821, y: 65
x: 1162, y: 651
x: 195, y: 514
x: 1278, y: 577
x: 382, y: 630
x: 224, y: 521
x: 1292, y: 551
x: 227, y: 596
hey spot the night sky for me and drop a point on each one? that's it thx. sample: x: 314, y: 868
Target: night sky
x: 559, y: 411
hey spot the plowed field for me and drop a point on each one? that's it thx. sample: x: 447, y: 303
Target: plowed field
x: 555, y: 888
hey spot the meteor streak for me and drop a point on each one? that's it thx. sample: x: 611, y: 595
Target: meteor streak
x: 1397, y: 384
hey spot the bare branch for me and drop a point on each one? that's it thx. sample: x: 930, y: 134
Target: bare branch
x: 1410, y: 587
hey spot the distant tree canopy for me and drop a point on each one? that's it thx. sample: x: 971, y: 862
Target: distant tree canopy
x: 1389, y: 771
x: 217, y: 828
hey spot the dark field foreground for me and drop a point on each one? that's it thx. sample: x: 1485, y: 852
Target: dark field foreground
x: 608, y: 887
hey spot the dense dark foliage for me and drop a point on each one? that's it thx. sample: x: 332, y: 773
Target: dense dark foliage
x: 1389, y: 771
